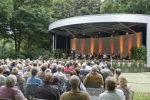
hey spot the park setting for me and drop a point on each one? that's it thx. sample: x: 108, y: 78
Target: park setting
x: 55, y: 49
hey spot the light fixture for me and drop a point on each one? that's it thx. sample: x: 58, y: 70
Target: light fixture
x: 83, y: 34
x: 99, y: 32
x: 111, y: 35
x: 127, y: 33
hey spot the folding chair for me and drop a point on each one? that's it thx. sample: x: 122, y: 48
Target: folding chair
x: 29, y: 90
x: 94, y: 97
x: 92, y: 84
x: 95, y: 91
x: 38, y: 99
x: 131, y: 95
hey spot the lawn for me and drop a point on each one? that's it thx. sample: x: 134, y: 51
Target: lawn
x: 140, y: 84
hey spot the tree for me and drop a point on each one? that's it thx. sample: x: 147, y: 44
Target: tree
x: 126, y: 6
x: 30, y: 18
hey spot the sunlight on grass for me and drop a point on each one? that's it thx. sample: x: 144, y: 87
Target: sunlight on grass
x: 141, y: 96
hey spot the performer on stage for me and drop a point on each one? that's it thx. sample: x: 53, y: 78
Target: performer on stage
x: 73, y: 53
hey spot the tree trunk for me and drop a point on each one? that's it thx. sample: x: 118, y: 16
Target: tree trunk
x: 20, y: 37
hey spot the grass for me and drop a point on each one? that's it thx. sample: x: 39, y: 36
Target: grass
x: 141, y: 95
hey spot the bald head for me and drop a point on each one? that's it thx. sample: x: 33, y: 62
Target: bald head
x: 48, y: 77
x: 74, y: 81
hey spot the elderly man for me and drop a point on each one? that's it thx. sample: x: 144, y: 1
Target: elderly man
x: 60, y: 75
x: 112, y: 93
x: 94, y: 77
x: 33, y: 79
x: 47, y: 90
x: 75, y: 94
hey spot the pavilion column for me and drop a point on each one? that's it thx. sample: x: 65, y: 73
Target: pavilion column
x: 148, y: 44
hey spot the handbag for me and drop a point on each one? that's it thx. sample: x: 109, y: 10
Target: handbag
x: 131, y: 93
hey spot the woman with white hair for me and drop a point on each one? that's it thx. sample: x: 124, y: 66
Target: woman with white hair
x: 9, y: 90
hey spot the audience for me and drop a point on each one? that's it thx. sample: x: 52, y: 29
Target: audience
x: 124, y: 86
x: 33, y: 79
x: 46, y: 90
x: 52, y: 85
x: 9, y: 90
x: 74, y: 94
x: 111, y: 93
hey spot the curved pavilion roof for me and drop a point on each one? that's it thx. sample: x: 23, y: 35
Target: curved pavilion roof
x: 101, y: 25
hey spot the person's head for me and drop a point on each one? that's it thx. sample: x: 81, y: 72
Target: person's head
x: 29, y: 68
x: 73, y: 73
x: 94, y: 69
x: 5, y: 67
x: 83, y: 66
x: 48, y: 71
x: 77, y: 70
x: 34, y: 64
x: 67, y: 65
x: 13, y: 63
x: 19, y: 66
x: 44, y: 66
x: 74, y: 81
x: 48, y: 77
x: 14, y: 71
x: 1, y: 70
x: 111, y: 83
x: 11, y: 81
x: 118, y: 71
x: 34, y: 71
x: 122, y: 81
x: 59, y: 68
x: 108, y: 65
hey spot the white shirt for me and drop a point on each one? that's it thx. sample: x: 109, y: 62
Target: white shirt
x: 88, y: 67
x: 112, y: 95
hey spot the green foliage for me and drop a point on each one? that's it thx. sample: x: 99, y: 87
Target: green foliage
x: 58, y: 53
x: 138, y: 53
x: 6, y: 9
x: 35, y: 54
x: 126, y: 6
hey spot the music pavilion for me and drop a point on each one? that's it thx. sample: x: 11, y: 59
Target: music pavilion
x: 102, y: 33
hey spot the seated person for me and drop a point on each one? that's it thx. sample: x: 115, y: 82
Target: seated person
x: 75, y: 94
x: 2, y: 77
x: 124, y: 86
x: 111, y: 93
x: 9, y: 90
x: 68, y: 69
x: 83, y: 71
x: 33, y: 79
x: 77, y: 70
x: 46, y: 90
x: 67, y: 84
x: 94, y: 77
x: 41, y: 74
x: 118, y: 73
x: 20, y: 79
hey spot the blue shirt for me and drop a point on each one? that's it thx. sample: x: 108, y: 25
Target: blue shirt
x: 34, y: 80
